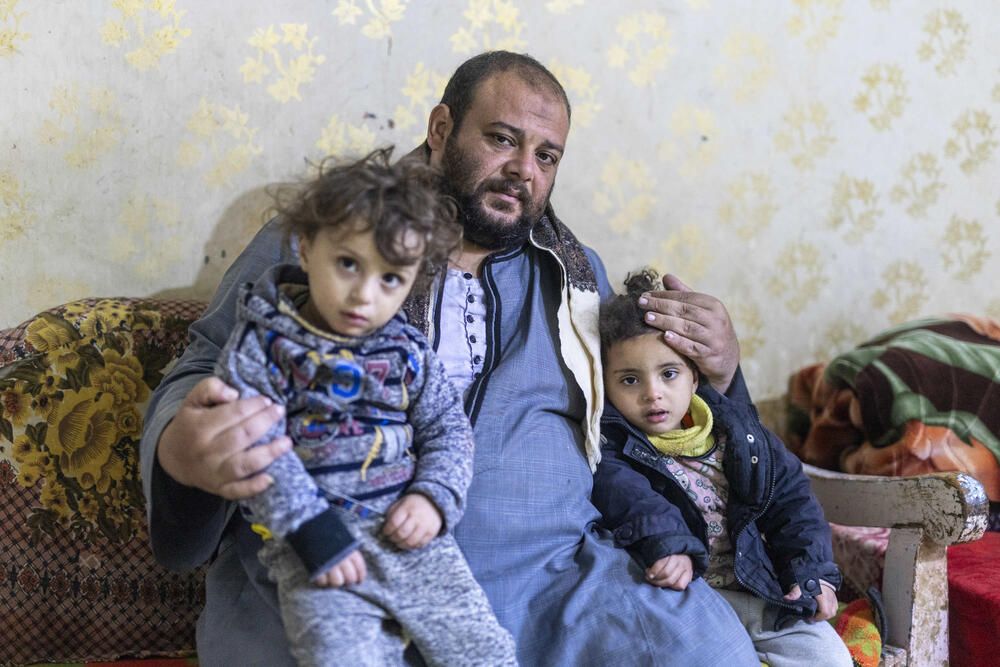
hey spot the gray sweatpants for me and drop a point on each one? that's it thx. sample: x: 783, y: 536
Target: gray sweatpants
x: 801, y: 643
x: 427, y: 595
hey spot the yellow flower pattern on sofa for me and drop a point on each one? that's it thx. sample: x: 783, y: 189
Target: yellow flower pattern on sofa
x: 71, y: 412
x: 153, y: 26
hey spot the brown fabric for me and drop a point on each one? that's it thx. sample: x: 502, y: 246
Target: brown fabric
x: 79, y: 580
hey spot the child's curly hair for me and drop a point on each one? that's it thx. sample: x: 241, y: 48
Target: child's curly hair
x: 376, y: 195
x: 621, y: 317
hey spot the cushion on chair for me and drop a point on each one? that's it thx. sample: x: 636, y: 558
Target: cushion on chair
x: 79, y: 579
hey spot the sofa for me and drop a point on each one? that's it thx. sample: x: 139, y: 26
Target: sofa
x: 79, y: 580
x: 80, y: 584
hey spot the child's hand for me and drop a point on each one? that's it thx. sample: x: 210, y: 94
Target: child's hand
x: 412, y: 521
x: 672, y: 571
x: 350, y: 570
x: 826, y: 601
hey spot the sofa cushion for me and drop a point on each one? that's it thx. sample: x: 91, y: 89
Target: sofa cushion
x: 79, y: 580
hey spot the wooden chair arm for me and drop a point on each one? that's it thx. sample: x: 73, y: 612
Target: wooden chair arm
x: 925, y: 514
x: 951, y: 507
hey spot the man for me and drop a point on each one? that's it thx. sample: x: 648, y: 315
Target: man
x: 514, y: 320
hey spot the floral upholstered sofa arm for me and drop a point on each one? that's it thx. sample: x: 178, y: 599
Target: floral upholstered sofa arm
x: 80, y: 583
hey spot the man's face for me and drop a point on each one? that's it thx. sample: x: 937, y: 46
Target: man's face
x: 501, y: 164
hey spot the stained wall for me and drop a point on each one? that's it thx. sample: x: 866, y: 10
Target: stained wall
x: 827, y: 168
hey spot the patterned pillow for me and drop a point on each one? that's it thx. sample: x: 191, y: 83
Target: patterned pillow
x: 79, y: 580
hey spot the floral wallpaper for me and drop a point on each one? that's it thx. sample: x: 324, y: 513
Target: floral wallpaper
x: 827, y: 168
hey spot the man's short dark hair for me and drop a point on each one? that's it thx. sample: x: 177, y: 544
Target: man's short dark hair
x: 463, y: 84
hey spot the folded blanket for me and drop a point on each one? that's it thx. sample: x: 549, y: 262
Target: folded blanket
x: 922, y: 397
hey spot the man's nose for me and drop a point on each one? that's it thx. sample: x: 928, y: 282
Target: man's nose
x: 521, y: 165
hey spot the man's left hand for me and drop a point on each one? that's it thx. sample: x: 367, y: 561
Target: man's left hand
x: 697, y: 326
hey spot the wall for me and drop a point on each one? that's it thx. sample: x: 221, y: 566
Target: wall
x: 827, y: 168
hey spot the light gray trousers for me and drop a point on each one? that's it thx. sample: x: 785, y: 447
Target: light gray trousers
x: 801, y: 643
x: 427, y: 595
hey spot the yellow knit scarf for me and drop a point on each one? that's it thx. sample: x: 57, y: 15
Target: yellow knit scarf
x: 693, y: 440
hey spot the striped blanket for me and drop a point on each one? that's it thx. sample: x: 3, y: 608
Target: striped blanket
x: 923, y: 397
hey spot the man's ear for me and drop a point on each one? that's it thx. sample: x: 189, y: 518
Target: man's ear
x: 439, y: 127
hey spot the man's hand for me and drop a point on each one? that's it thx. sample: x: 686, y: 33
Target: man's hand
x: 207, y: 444
x: 672, y: 571
x: 412, y: 521
x: 697, y: 326
x: 826, y: 601
x: 350, y: 570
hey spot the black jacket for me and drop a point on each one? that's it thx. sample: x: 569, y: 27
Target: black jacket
x: 776, y: 525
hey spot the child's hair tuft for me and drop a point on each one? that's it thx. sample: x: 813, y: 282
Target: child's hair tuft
x: 621, y: 316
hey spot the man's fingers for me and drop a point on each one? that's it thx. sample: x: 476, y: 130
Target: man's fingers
x: 246, y: 462
x: 672, y: 282
x: 244, y: 488
x: 209, y: 392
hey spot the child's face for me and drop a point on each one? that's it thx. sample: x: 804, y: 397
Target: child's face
x: 649, y: 383
x: 353, y: 290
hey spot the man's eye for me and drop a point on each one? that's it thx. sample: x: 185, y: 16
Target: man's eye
x: 503, y: 139
x: 548, y: 158
x: 347, y: 263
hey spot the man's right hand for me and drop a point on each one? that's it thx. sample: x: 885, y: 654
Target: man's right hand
x: 208, y: 443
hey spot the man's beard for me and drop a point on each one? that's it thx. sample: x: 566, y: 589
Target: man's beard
x: 480, y: 227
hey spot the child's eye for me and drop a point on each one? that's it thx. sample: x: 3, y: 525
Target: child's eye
x: 670, y: 373
x: 391, y: 280
x: 629, y: 380
x: 347, y: 263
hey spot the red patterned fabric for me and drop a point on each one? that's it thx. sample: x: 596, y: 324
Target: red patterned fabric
x: 974, y: 601
x: 79, y: 582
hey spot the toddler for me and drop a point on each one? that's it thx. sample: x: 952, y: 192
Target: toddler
x: 356, y: 527
x: 694, y: 486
